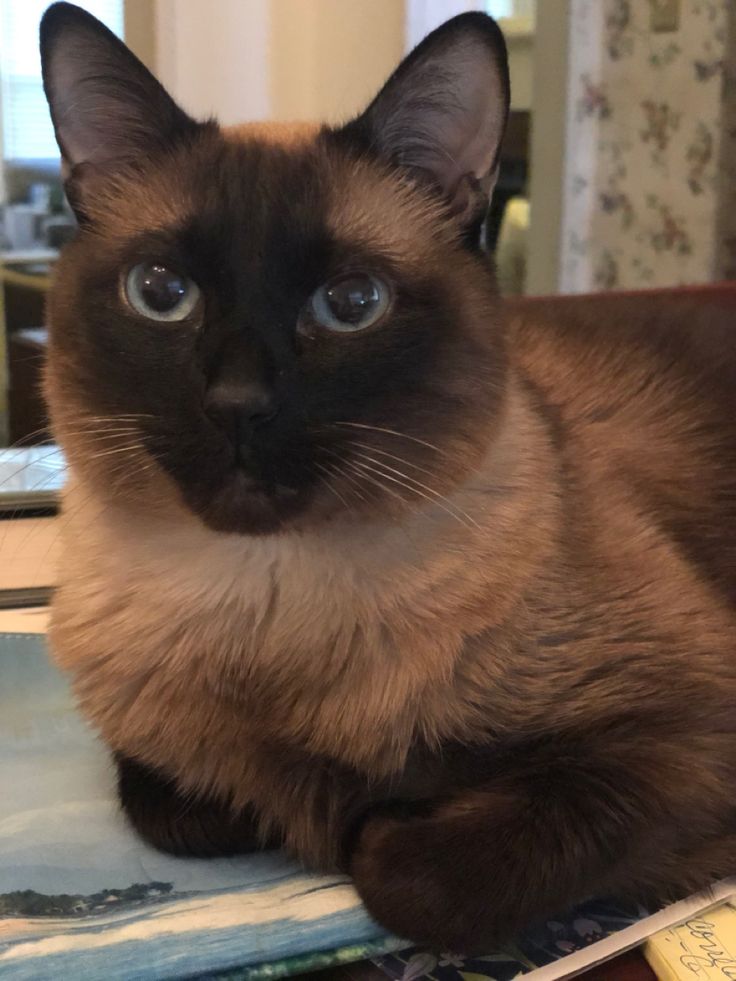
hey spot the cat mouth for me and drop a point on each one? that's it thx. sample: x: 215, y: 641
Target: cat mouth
x: 246, y: 505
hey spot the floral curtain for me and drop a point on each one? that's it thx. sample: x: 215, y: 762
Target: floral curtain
x: 650, y: 194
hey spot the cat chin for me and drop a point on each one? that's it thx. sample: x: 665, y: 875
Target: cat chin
x: 243, y: 507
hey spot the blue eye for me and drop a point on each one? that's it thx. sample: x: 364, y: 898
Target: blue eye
x: 159, y: 293
x: 350, y: 304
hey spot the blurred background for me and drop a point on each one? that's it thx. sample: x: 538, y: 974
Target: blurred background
x: 619, y: 166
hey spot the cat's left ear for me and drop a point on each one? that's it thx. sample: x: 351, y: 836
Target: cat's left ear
x: 106, y: 107
x: 443, y: 113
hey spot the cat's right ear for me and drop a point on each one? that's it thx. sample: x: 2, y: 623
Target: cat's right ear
x: 106, y: 107
x: 441, y: 116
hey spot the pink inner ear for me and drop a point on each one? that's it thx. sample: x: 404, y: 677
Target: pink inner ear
x: 469, y: 123
x: 479, y: 134
x: 105, y: 104
x: 470, y: 196
x: 97, y: 113
x: 445, y: 114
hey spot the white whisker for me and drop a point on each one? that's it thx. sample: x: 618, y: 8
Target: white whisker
x: 393, y: 432
x: 345, y: 476
x: 131, y: 449
x: 416, y: 490
x: 387, y: 490
x: 457, y: 511
x: 327, y: 482
x: 392, y: 456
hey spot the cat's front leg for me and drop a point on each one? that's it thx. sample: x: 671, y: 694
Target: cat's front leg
x: 466, y: 876
x: 178, y: 823
x: 470, y: 871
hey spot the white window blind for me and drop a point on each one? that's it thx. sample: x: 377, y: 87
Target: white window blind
x: 27, y: 133
x: 510, y: 8
x: 422, y: 16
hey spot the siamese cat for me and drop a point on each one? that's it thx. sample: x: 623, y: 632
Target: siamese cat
x: 358, y: 562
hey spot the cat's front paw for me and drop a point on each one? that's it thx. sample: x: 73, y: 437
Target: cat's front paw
x: 464, y: 874
x: 180, y: 824
x: 425, y: 885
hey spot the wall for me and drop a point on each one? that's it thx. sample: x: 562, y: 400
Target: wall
x: 213, y: 56
x: 277, y: 59
x: 649, y: 189
x: 422, y: 16
x: 140, y: 33
x: 548, y: 150
x: 521, y: 68
x: 328, y: 58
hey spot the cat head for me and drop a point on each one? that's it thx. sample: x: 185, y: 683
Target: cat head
x: 276, y: 326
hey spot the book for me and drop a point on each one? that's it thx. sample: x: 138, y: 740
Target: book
x: 83, y: 897
x: 30, y: 478
x: 702, y: 947
x: 30, y: 484
x: 562, y: 946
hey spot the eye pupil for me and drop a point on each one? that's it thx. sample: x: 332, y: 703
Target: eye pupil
x: 158, y: 293
x: 161, y: 289
x: 346, y: 305
x: 353, y: 300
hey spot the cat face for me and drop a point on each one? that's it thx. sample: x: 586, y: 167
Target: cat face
x: 276, y: 326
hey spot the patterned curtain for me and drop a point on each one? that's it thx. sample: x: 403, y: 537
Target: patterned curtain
x: 650, y: 189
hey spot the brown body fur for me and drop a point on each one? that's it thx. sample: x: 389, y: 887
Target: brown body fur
x: 488, y: 702
x: 580, y: 613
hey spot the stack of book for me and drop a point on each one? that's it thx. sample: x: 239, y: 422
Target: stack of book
x: 30, y: 484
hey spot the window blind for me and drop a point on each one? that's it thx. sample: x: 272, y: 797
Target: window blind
x: 27, y: 133
x: 510, y: 8
x: 422, y: 16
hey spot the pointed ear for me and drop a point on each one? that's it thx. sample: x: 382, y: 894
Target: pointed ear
x: 443, y: 113
x: 106, y: 106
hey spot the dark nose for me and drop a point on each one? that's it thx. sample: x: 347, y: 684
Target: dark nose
x: 240, y: 407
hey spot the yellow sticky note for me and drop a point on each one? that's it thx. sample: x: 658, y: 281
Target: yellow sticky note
x: 702, y: 948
